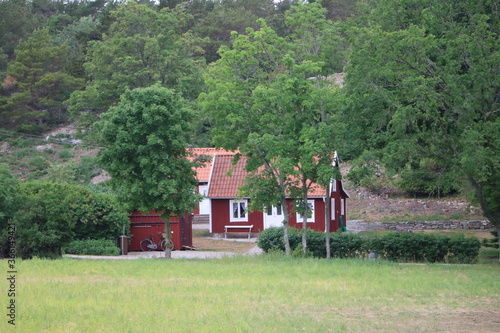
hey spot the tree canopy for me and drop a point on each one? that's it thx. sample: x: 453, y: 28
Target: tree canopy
x: 145, y: 154
x: 423, y: 92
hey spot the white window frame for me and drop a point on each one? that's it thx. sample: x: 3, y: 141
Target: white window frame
x: 310, y: 203
x: 242, y: 215
x: 342, y: 207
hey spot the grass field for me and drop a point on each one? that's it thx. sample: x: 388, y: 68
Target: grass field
x: 253, y: 294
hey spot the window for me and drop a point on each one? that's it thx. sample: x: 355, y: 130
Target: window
x: 238, y: 211
x: 332, y: 208
x: 310, y: 217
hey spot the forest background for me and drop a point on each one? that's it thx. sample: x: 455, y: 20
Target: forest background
x: 409, y: 89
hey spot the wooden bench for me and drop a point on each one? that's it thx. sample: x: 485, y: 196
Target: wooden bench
x: 249, y: 227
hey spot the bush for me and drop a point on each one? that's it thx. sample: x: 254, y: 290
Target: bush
x: 342, y: 245
x: 101, y: 247
x: 53, y: 215
x: 426, y: 248
x: 65, y: 154
x: 347, y: 245
x: 463, y: 250
x: 403, y: 246
x: 99, y: 216
x: 45, y: 221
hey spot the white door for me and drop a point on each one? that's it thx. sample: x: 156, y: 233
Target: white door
x: 273, y: 217
x: 205, y: 203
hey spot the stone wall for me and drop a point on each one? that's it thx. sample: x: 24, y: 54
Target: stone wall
x: 357, y: 226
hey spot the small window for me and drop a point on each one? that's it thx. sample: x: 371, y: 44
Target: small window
x: 279, y: 210
x: 239, y: 210
x: 332, y: 208
x: 310, y: 217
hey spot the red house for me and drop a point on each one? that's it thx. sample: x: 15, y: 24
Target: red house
x: 229, y: 211
x: 225, y: 211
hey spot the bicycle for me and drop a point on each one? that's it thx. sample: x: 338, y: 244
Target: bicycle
x: 148, y: 244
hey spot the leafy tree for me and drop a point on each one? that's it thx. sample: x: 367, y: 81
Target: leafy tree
x: 17, y: 22
x: 143, y: 47
x: 37, y: 85
x: 10, y: 201
x: 45, y: 222
x: 423, y: 86
x: 146, y: 138
x: 99, y: 216
x: 226, y: 17
x: 262, y: 102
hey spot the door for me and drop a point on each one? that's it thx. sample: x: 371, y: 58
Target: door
x: 273, y: 217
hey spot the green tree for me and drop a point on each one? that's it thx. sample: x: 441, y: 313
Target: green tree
x: 422, y: 85
x: 143, y: 47
x: 38, y: 85
x: 146, y: 137
x: 99, y: 216
x: 262, y: 101
x: 10, y: 201
x: 45, y: 222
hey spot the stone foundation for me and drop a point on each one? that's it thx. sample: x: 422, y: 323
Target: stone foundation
x: 357, y: 225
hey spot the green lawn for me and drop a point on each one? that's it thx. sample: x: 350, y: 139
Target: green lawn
x: 254, y: 294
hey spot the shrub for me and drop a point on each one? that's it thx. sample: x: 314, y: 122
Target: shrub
x: 347, y: 245
x: 463, y: 250
x: 65, y: 154
x: 418, y: 247
x: 402, y: 246
x: 101, y: 247
x: 52, y: 215
x: 342, y: 245
x: 45, y: 221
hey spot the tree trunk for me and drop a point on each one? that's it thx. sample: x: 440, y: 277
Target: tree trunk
x: 168, y: 236
x: 286, y: 237
x: 493, y: 215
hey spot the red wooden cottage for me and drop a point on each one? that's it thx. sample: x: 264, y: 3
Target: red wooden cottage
x: 229, y: 211
x: 225, y: 211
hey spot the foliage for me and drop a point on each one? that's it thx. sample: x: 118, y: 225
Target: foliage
x: 403, y: 247
x: 423, y: 94
x: 416, y: 247
x: 9, y: 194
x: 262, y: 102
x: 45, y: 221
x: 52, y: 215
x: 491, y: 242
x: 99, y: 216
x: 10, y: 201
x: 97, y: 247
x: 146, y: 137
x: 143, y: 47
x: 39, y: 85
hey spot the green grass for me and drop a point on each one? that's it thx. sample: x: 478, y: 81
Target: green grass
x: 268, y: 293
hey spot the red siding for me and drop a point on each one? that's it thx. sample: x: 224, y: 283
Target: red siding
x: 220, y: 217
x: 319, y: 216
x: 144, y: 225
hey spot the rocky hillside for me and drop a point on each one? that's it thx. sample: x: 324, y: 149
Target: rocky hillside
x: 58, y: 156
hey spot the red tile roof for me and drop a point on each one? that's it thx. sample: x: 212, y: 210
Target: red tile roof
x: 203, y: 171
x: 223, y: 185
x: 227, y: 178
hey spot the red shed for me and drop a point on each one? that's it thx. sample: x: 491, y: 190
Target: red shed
x: 149, y: 225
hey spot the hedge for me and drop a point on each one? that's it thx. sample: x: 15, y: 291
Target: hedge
x: 397, y: 246
x: 102, y: 247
